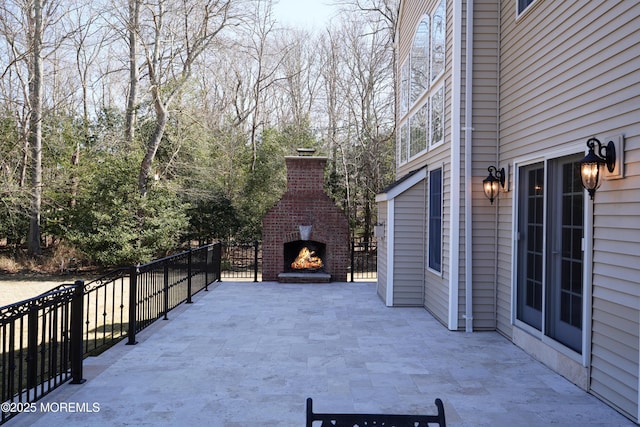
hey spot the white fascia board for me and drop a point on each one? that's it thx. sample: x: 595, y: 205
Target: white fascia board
x: 394, y: 192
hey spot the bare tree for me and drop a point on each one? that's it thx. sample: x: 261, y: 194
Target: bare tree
x: 134, y: 75
x: 15, y: 84
x: 87, y: 41
x: 35, y: 20
x: 358, y: 83
x: 263, y: 72
x: 382, y: 13
x: 174, y: 43
x: 301, y: 76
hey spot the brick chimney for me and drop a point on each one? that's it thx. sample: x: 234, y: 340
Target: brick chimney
x: 305, y: 175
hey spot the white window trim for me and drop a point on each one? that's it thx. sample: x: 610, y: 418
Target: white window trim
x: 521, y: 13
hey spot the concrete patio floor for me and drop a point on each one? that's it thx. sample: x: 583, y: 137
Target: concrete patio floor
x: 249, y: 354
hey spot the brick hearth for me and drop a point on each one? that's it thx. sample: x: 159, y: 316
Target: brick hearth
x: 305, y: 203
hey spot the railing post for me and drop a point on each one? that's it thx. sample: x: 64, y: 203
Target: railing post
x: 206, y: 268
x: 255, y: 260
x: 353, y: 263
x: 166, y: 290
x: 218, y: 262
x: 189, y: 277
x: 32, y: 347
x: 77, y: 339
x: 133, y: 296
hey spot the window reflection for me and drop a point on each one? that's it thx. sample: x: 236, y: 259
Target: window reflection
x: 404, y: 88
x: 438, y: 40
x: 404, y: 139
x: 419, y: 130
x: 421, y: 89
x: 420, y: 60
x: 437, y: 116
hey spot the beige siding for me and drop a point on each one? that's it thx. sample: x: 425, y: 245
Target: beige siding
x: 504, y: 267
x: 566, y: 71
x: 484, y: 152
x: 616, y: 275
x: 382, y: 251
x: 436, y: 286
x: 569, y: 71
x: 409, y: 246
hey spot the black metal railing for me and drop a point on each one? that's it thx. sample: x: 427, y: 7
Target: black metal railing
x: 44, y: 339
x: 364, y: 259
x: 160, y: 286
x: 106, y: 311
x: 41, y: 341
x: 241, y: 260
x: 244, y: 260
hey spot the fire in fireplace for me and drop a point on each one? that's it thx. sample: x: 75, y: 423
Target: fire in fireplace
x: 304, y: 256
x: 306, y: 259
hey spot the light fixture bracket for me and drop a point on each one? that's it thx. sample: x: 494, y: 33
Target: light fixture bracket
x: 606, y: 153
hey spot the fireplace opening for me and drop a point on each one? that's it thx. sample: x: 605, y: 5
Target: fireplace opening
x: 304, y: 256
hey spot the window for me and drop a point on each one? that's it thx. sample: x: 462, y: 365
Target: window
x: 438, y: 41
x: 421, y: 88
x: 404, y: 140
x: 523, y: 4
x: 404, y: 88
x: 420, y: 60
x: 549, y: 258
x: 435, y: 220
x: 437, y: 116
x: 418, y: 136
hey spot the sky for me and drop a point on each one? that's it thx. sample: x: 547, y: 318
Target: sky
x: 309, y: 14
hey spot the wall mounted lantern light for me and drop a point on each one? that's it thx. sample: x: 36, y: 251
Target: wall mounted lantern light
x: 592, y: 166
x: 493, y: 182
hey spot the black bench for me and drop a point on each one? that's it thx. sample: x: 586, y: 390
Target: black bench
x: 363, y: 420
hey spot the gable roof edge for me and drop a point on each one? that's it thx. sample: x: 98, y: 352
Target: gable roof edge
x: 401, y: 185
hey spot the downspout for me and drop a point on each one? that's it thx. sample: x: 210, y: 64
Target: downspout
x: 454, y: 195
x: 468, y: 172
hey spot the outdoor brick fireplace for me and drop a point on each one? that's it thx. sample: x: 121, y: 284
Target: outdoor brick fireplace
x: 305, y: 236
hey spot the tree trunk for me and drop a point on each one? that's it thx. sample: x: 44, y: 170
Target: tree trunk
x: 24, y: 163
x: 75, y: 179
x: 152, y: 148
x: 35, y: 133
x: 132, y: 97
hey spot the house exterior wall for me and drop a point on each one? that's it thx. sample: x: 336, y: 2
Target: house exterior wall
x: 570, y: 71
x: 544, y: 81
x: 442, y: 287
x: 437, y: 286
x: 409, y: 246
x: 486, y: 39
